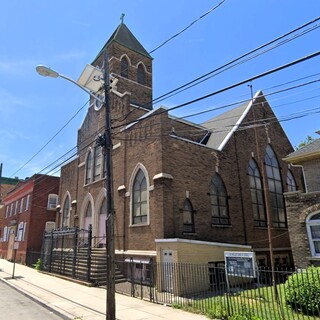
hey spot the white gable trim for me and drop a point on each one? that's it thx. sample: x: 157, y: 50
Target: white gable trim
x: 226, y: 139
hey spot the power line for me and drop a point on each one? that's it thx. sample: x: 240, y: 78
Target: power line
x: 246, y: 100
x: 199, y: 78
x: 228, y: 64
x: 50, y: 140
x: 189, y: 26
x: 290, y: 64
x: 232, y: 64
x: 221, y: 107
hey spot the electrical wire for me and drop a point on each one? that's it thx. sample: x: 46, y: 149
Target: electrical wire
x: 28, y: 161
x: 186, y: 28
x: 162, y: 97
x: 228, y: 64
x: 232, y: 64
x: 266, y: 73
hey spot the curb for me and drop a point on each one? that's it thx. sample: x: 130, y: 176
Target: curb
x: 37, y: 300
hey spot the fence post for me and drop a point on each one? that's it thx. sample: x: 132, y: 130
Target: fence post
x: 51, y: 250
x: 151, y: 279
x: 131, y: 276
x: 61, y: 253
x: 89, y: 253
x: 75, y: 245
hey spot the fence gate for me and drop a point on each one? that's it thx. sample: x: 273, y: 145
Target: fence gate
x: 68, y: 252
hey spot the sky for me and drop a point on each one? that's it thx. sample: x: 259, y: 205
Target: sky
x: 39, y: 117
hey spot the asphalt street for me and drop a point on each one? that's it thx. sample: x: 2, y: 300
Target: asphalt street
x: 15, y: 305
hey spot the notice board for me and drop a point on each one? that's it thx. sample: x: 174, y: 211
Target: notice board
x: 240, y: 264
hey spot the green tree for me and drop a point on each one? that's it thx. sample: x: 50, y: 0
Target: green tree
x: 305, y: 142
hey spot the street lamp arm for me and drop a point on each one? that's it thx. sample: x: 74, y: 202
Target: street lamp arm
x: 83, y: 88
x: 48, y: 72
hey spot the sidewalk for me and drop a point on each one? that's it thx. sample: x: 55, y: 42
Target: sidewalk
x: 71, y: 300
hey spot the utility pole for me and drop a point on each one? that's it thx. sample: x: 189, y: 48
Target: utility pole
x: 266, y: 193
x: 110, y: 301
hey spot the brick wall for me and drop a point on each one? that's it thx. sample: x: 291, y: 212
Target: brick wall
x: 312, y: 174
x: 299, y: 206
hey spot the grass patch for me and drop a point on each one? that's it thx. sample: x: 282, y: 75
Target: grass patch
x: 255, y: 304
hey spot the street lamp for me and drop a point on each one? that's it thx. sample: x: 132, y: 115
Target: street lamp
x: 48, y: 72
x: 106, y: 142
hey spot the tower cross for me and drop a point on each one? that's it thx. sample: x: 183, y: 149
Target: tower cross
x: 122, y: 17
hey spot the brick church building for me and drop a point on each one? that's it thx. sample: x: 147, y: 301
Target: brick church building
x: 183, y: 192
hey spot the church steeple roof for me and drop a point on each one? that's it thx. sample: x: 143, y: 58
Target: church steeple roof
x: 124, y: 36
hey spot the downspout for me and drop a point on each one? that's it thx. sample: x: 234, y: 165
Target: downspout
x: 303, y: 174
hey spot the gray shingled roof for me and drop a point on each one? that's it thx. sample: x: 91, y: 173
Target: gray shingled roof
x: 124, y: 36
x: 310, y: 148
x: 222, y: 125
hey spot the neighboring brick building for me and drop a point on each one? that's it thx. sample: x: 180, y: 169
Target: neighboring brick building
x: 303, y: 207
x: 174, y: 179
x: 28, y: 209
x: 6, y: 185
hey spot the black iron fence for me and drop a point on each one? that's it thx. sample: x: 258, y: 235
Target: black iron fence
x: 209, y: 290
x: 206, y: 288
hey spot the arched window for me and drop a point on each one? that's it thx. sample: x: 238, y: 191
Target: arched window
x: 188, y: 218
x: 124, y: 67
x: 291, y: 182
x: 5, y: 233
x: 88, y: 216
x: 88, y: 167
x: 103, y: 208
x: 278, y: 215
x: 66, y: 212
x: 257, y: 199
x: 97, y: 163
x: 102, y: 223
x: 141, y: 74
x: 313, y: 230
x: 139, y: 199
x: 88, y: 210
x: 219, y: 202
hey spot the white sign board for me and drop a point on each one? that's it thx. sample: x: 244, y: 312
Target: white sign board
x: 16, y: 245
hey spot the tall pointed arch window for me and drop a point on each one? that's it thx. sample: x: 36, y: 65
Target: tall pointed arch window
x: 188, y: 217
x: 103, y: 207
x: 88, y: 212
x: 140, y: 199
x: 291, y: 182
x: 97, y: 163
x: 88, y: 216
x: 66, y: 212
x: 102, y: 223
x: 88, y: 168
x: 124, y: 67
x: 278, y: 216
x: 257, y: 199
x: 313, y: 230
x: 141, y: 74
x: 219, y: 202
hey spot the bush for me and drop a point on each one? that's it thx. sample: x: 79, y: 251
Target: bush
x: 245, y: 314
x: 303, y: 290
x: 38, y: 265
